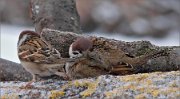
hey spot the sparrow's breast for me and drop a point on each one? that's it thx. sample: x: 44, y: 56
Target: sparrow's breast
x: 35, y: 68
x: 84, y: 69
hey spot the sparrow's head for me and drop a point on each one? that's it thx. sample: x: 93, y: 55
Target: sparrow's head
x: 26, y: 36
x: 80, y: 46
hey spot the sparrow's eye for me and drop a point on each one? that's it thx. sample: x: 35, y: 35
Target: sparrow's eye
x: 80, y: 51
x: 75, y: 53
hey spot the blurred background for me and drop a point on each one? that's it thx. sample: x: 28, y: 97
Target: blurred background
x: 129, y: 20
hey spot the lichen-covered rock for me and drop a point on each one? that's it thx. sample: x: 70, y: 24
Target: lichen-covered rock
x: 148, y: 85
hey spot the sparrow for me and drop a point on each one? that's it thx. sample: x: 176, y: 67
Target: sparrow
x: 78, y: 49
x: 38, y: 57
x: 102, y: 58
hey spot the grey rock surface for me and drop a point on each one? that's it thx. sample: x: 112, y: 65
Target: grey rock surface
x: 11, y: 71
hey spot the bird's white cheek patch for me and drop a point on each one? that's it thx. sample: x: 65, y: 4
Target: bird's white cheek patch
x: 71, y: 53
x: 22, y: 40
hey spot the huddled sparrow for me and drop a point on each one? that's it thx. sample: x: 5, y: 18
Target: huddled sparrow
x: 78, y: 50
x: 102, y: 58
x: 88, y: 64
x: 38, y: 57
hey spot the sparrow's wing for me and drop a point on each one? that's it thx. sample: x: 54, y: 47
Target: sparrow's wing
x: 117, y: 63
x: 36, y: 57
x: 37, y: 51
x: 121, y: 68
x: 43, y: 56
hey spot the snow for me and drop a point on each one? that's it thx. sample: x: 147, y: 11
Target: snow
x: 9, y: 37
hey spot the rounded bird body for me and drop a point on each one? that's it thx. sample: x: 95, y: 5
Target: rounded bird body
x: 38, y: 57
x: 83, y: 69
x: 78, y: 50
x: 104, y: 58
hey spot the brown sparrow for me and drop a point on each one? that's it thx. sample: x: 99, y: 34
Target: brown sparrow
x: 78, y: 50
x: 38, y: 57
x: 103, y: 58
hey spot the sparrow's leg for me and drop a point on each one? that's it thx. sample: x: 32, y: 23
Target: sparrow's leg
x: 28, y: 85
x: 33, y: 77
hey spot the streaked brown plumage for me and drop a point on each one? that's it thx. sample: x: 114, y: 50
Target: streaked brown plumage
x: 38, y: 57
x: 105, y: 59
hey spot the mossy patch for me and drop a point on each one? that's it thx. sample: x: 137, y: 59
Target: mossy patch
x: 135, y: 78
x: 91, y: 87
x: 55, y: 94
x: 140, y: 96
x: 88, y: 84
x: 10, y: 96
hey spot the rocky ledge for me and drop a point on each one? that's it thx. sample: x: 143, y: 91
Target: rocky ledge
x: 162, y: 85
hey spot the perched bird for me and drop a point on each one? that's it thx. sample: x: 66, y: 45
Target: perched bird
x: 38, y: 57
x: 105, y: 58
x: 78, y: 50
x: 79, y: 47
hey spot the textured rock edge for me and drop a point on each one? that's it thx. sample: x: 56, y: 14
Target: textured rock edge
x: 147, y: 85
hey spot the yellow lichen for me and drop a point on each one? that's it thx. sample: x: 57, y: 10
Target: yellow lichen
x: 141, y: 89
x: 149, y: 82
x: 55, y: 94
x: 114, y: 92
x: 155, y: 93
x: 66, y: 85
x: 5, y: 96
x: 131, y: 86
x: 140, y: 96
x: 91, y: 87
x: 77, y: 83
x: 109, y: 94
x: 135, y: 78
x: 127, y: 78
x: 9, y: 96
x: 142, y: 76
x: 80, y: 83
